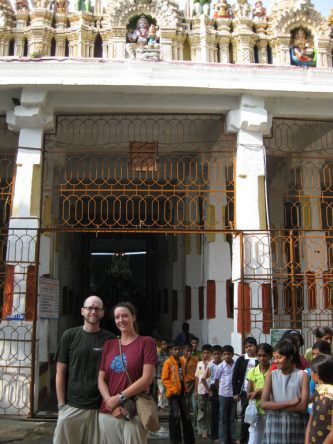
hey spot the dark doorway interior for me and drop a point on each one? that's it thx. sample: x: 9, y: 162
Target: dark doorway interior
x: 117, y: 267
x: 125, y: 268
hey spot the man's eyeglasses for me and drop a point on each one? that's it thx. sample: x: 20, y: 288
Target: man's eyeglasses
x: 94, y: 308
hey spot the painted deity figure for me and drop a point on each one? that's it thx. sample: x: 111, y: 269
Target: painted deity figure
x: 153, y: 37
x: 302, y: 50
x: 61, y: 6
x: 242, y: 8
x: 259, y: 10
x: 141, y: 39
x: 22, y: 5
x: 40, y: 4
x: 222, y: 9
x: 82, y: 5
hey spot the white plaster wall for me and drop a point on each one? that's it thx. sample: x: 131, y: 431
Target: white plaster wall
x: 218, y: 268
x: 193, y: 264
x: 178, y: 283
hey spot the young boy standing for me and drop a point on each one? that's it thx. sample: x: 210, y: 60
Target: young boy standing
x: 190, y: 365
x: 209, y: 382
x: 162, y: 355
x: 173, y: 381
x: 228, y: 405
x: 202, y: 392
x: 196, y: 353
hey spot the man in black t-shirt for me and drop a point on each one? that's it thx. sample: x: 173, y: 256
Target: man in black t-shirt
x: 78, y: 357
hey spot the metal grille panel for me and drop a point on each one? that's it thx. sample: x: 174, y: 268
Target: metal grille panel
x: 93, y: 183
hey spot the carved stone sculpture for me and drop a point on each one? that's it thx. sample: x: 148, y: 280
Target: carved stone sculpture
x: 40, y: 4
x: 143, y: 41
x: 259, y: 10
x: 22, y: 5
x: 302, y: 50
x: 222, y: 9
x: 61, y: 6
x: 242, y: 9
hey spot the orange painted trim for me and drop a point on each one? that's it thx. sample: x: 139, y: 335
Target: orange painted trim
x: 244, y: 308
x: 211, y: 299
x: 266, y: 308
x: 8, y: 291
x: 30, y: 300
x: 201, y: 302
x: 187, y: 301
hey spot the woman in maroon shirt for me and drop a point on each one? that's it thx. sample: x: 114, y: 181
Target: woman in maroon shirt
x: 121, y: 376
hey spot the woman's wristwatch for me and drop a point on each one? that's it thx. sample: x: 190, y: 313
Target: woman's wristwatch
x: 121, y: 397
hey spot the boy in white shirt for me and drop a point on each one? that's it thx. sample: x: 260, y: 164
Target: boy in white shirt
x: 213, y: 394
x: 228, y: 405
x: 201, y: 392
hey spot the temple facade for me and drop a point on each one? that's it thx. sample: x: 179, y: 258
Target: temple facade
x: 175, y: 154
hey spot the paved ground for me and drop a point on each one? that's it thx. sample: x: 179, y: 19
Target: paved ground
x: 23, y: 431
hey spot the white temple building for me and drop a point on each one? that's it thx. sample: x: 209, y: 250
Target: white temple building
x: 175, y: 154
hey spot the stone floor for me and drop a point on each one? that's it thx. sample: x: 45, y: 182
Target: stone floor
x: 24, y: 431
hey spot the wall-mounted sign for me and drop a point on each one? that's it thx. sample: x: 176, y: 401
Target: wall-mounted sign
x: 48, y: 298
x: 276, y: 334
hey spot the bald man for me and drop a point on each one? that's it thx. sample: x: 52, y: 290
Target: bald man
x: 78, y: 357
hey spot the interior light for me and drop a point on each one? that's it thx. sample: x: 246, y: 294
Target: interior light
x: 124, y: 253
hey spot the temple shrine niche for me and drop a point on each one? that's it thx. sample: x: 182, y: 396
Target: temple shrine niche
x: 302, y: 48
x: 142, y: 39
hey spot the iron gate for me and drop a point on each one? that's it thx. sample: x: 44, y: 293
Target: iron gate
x: 175, y: 174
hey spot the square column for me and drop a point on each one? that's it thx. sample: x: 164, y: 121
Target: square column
x: 17, y: 328
x: 251, y: 251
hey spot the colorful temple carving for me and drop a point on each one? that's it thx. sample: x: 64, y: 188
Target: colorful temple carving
x: 293, y: 33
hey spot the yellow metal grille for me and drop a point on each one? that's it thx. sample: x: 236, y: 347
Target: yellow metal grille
x: 184, y: 183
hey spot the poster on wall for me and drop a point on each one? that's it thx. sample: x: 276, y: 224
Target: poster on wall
x: 276, y: 334
x: 48, y: 298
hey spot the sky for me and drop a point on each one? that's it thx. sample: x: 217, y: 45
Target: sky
x: 323, y: 6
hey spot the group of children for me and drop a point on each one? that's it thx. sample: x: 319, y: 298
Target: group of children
x: 293, y: 400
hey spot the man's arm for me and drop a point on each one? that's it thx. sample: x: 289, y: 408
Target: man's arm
x: 61, y: 382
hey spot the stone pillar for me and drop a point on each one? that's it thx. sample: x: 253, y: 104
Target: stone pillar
x: 260, y: 27
x: 324, y: 57
x: 262, y: 50
x: 31, y: 119
x: 203, y: 39
x: 216, y: 249
x: 119, y: 44
x: 166, y: 43
x: 243, y: 39
x: 251, y: 252
x: 39, y: 34
x: 60, y: 45
x: 224, y: 36
x: 282, y: 51
x: 61, y: 20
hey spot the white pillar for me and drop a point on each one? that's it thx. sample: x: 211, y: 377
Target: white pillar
x: 30, y: 119
x: 251, y: 122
